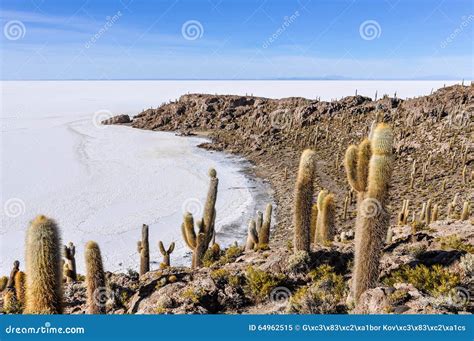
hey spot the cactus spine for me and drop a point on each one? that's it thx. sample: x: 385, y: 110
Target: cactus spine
x: 43, y: 268
x: 95, y: 279
x: 372, y: 185
x: 303, y: 201
x: 70, y: 265
x: 325, y: 220
x: 199, y: 243
x: 143, y: 248
x: 166, y: 253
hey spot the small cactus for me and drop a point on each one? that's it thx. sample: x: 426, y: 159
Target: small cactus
x: 264, y: 233
x: 11, y: 279
x: 70, y: 272
x: 303, y: 201
x: 43, y: 268
x: 20, y: 287
x: 166, y: 253
x: 95, y: 279
x: 325, y: 220
x: 3, y: 283
x: 435, y: 213
x: 388, y: 239
x: 143, y: 248
x: 252, y: 236
x: 465, y: 211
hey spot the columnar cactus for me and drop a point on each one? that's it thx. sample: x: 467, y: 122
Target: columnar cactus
x: 259, y: 221
x: 166, y: 253
x: 143, y: 248
x: 325, y: 221
x: 95, y: 279
x: 252, y: 236
x: 70, y: 272
x: 43, y: 268
x: 435, y: 213
x: 304, y: 189
x: 404, y: 213
x: 264, y: 233
x: 20, y: 287
x: 3, y: 283
x: 372, y: 218
x: 11, y: 279
x: 199, y: 243
x: 314, y: 223
x: 465, y: 211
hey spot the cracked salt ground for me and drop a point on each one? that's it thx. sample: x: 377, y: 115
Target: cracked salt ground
x: 102, y: 184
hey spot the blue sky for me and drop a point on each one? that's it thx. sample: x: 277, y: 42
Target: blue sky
x: 237, y: 39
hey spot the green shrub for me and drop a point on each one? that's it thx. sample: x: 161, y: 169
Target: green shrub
x: 230, y: 255
x: 323, y: 296
x: 453, y: 242
x: 260, y: 283
x: 434, y: 280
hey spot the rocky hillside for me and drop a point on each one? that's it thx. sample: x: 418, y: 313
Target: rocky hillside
x: 427, y: 266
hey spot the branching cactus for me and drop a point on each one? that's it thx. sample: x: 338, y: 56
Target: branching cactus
x: 259, y: 221
x: 325, y: 220
x: 304, y: 189
x: 70, y: 272
x: 372, y: 219
x: 95, y: 279
x: 166, y: 253
x: 143, y: 248
x: 43, y: 268
x: 199, y: 242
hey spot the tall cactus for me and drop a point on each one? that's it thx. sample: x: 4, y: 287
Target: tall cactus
x: 70, y: 272
x: 95, y: 279
x: 304, y: 189
x: 3, y: 283
x: 43, y: 268
x: 372, y: 218
x: 143, y: 248
x: 199, y: 242
x: 325, y: 221
x: 166, y: 253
